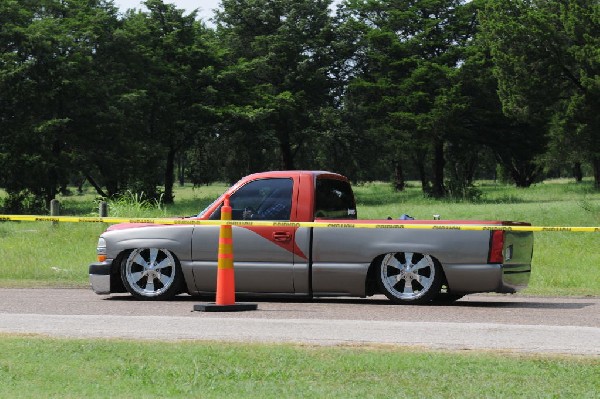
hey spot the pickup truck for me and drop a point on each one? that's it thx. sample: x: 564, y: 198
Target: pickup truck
x: 409, y: 266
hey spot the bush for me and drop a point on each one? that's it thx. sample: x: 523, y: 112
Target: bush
x: 132, y: 204
x: 22, y: 202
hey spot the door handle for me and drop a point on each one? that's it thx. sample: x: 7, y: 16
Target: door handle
x: 282, y: 236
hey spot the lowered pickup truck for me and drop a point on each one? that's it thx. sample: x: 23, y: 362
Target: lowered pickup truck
x: 154, y: 262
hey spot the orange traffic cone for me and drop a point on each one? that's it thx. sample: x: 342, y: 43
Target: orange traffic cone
x: 225, y: 272
x: 225, y: 301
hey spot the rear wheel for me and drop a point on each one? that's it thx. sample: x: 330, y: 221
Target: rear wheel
x: 151, y: 274
x: 409, y: 278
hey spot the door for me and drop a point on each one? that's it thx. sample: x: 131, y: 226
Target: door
x: 263, y: 255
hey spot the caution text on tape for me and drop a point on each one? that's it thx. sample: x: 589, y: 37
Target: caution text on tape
x: 343, y: 225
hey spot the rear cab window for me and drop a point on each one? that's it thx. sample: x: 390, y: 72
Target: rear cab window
x: 334, y: 199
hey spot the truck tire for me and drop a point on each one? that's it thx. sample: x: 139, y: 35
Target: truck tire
x: 410, y: 278
x: 151, y: 274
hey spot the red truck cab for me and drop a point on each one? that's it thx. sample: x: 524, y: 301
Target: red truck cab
x: 307, y: 194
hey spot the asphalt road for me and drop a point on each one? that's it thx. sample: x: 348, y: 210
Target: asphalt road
x: 477, y: 322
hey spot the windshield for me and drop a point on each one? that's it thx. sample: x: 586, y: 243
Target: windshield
x: 203, y: 212
x: 261, y: 199
x: 232, y: 189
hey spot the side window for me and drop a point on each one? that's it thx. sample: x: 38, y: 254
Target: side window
x: 334, y: 200
x: 265, y: 199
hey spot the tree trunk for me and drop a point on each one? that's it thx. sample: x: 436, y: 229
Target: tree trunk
x: 287, y: 159
x: 577, y: 172
x: 438, y: 189
x: 520, y: 180
x: 181, y: 169
x: 524, y: 175
x: 596, y: 166
x: 53, y: 173
x: 399, y: 182
x: 169, y: 176
x: 95, y: 185
x: 471, y: 168
x: 420, y: 165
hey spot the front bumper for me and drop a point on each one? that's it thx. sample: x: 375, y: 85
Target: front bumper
x: 100, y: 276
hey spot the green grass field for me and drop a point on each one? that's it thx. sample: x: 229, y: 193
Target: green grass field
x: 32, y: 367
x: 40, y: 254
x: 564, y: 263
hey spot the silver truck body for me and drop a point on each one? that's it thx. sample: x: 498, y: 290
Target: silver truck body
x: 338, y: 264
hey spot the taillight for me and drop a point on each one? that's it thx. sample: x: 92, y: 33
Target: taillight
x: 496, y: 246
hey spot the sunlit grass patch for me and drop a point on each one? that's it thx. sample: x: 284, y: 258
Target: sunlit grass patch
x: 45, y: 252
x: 32, y: 367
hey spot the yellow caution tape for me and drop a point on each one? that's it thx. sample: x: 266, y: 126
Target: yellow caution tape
x: 244, y: 223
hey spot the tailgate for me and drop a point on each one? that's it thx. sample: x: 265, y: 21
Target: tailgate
x: 518, y: 252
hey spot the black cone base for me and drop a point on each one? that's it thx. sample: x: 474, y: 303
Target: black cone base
x: 236, y: 307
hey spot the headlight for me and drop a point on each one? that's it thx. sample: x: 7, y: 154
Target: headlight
x: 101, y: 249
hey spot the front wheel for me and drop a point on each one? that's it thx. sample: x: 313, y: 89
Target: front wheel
x: 409, y: 278
x: 151, y: 274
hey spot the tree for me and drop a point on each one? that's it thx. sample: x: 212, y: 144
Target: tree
x: 175, y: 62
x: 46, y: 49
x: 406, y: 81
x: 278, y: 51
x: 548, y: 67
x: 85, y: 93
x: 516, y: 145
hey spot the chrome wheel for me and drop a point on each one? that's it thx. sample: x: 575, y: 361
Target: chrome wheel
x: 151, y: 273
x: 407, y: 277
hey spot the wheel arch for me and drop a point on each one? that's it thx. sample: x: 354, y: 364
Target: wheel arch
x: 116, y: 283
x: 371, y: 287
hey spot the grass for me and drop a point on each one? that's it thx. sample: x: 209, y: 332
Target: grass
x: 32, y: 367
x: 563, y: 263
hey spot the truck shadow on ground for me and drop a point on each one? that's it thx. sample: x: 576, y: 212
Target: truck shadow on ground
x: 379, y: 301
x: 522, y: 305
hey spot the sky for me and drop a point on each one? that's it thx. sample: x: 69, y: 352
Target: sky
x: 204, y: 7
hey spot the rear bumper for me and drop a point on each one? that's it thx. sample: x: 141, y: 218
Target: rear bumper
x: 515, y: 277
x: 503, y: 278
x: 100, y: 276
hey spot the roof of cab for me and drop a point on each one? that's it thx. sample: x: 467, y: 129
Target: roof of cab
x: 286, y: 173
